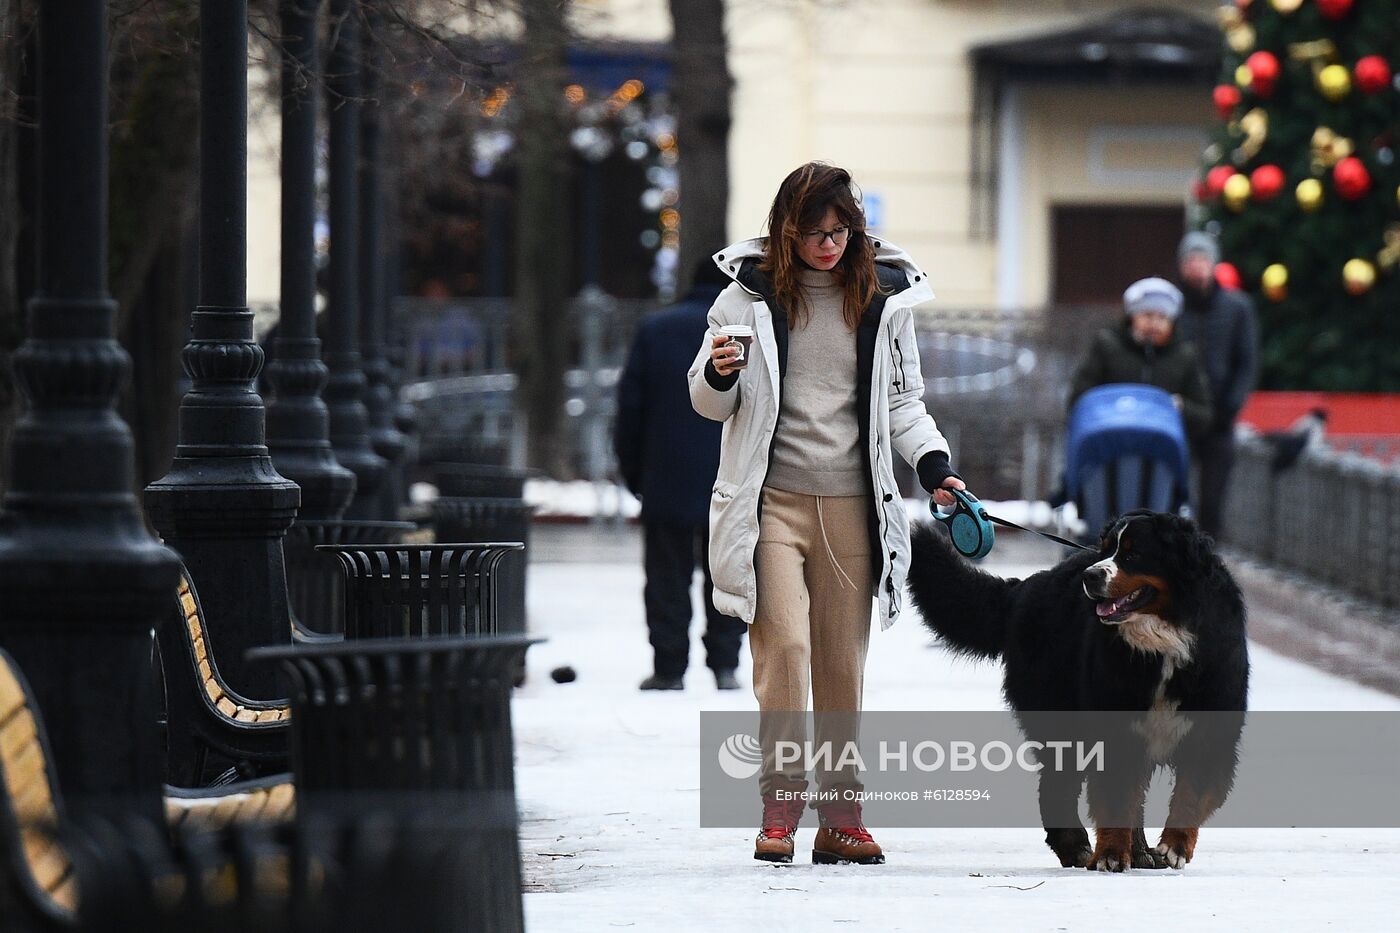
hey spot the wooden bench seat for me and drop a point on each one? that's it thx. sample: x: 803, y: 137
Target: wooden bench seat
x: 37, y: 870
x: 36, y: 873
x: 207, y: 722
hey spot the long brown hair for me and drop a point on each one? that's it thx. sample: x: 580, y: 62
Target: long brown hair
x: 800, y: 205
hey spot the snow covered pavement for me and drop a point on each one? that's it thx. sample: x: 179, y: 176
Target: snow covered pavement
x: 608, y: 781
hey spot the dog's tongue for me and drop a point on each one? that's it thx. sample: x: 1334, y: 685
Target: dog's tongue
x: 1106, y: 608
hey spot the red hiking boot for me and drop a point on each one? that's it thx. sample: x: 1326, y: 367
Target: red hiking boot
x: 780, y: 819
x: 843, y: 838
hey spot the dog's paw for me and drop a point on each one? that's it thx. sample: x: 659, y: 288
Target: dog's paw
x: 1111, y: 859
x: 1113, y: 852
x: 1148, y: 858
x: 1171, y: 857
x: 1074, y: 858
x: 1177, y: 846
x: 1071, y: 846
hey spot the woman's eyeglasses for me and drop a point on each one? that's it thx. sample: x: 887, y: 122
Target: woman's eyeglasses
x: 815, y: 238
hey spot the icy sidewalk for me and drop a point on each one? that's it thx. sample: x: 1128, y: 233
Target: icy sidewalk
x: 608, y: 789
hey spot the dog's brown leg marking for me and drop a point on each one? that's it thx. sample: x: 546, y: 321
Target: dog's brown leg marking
x: 1190, y: 808
x: 1114, y: 851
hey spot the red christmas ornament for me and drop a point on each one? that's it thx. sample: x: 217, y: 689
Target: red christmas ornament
x: 1216, y: 178
x: 1227, y: 276
x: 1351, y: 178
x: 1372, y: 74
x: 1334, y: 9
x: 1264, y: 67
x: 1267, y: 181
x: 1227, y: 98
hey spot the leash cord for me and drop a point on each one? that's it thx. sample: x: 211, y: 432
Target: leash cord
x: 1044, y: 534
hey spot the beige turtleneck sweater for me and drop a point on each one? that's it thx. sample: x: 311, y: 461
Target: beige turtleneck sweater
x: 817, y: 447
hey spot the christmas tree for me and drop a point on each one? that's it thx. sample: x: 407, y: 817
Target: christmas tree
x: 1302, y: 186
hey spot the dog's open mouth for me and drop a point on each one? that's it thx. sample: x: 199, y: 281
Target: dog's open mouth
x: 1116, y: 610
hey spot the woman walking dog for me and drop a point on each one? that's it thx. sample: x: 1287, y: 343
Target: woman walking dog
x: 807, y: 526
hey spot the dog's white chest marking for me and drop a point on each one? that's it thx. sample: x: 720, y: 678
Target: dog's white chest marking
x: 1153, y: 635
x: 1163, y: 727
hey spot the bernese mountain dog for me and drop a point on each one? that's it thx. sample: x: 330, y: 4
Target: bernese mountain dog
x: 1151, y: 626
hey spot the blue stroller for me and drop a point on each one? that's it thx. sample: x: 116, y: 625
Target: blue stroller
x: 1126, y: 450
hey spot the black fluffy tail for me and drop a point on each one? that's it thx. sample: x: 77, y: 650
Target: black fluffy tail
x: 964, y: 606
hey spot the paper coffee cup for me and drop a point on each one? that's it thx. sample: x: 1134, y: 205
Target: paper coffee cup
x: 740, y: 335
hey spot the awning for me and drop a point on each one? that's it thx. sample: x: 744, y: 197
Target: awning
x: 1130, y: 45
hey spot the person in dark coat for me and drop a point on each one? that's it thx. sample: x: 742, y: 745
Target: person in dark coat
x: 668, y: 456
x: 1220, y: 323
x: 1145, y: 348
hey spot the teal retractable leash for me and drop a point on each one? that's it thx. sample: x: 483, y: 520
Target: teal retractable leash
x: 972, y: 528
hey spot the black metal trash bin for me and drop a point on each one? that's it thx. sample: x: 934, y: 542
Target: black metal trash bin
x: 417, y: 590
x: 315, y: 586
x: 415, y: 725
x: 481, y: 518
x: 478, y: 480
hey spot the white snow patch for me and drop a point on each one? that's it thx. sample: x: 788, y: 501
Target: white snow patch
x: 608, y: 789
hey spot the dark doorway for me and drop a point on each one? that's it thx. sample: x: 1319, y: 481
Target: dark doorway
x: 1099, y: 250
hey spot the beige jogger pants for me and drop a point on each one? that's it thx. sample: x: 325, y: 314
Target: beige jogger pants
x: 811, y: 627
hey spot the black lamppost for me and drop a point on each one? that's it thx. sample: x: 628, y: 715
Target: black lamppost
x: 81, y: 581
x: 223, y: 505
x: 345, y: 391
x: 298, y: 423
x: 386, y: 439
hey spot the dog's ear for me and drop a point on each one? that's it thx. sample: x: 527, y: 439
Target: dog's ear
x: 1201, y: 545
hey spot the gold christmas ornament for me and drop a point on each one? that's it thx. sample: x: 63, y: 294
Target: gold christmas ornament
x: 1229, y: 16
x: 1389, y: 256
x: 1309, y: 192
x: 1240, y: 38
x: 1334, y: 82
x: 1237, y: 191
x: 1328, y: 149
x: 1358, y: 275
x: 1275, y: 282
x: 1255, y: 127
x: 1315, y: 51
x: 1286, y: 6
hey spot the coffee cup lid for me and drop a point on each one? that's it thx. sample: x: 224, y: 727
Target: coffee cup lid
x: 736, y: 330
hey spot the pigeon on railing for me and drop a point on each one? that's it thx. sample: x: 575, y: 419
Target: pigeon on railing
x: 1303, y: 433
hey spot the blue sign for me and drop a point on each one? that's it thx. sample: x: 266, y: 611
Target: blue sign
x: 874, y: 209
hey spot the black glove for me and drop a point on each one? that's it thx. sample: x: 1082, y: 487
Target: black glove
x: 933, y: 469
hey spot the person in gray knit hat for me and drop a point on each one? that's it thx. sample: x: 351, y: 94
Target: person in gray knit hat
x: 1145, y: 348
x: 1220, y: 324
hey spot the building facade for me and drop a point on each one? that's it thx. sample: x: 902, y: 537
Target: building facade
x: 1026, y: 152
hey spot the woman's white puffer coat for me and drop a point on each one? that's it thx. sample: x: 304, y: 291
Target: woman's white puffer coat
x: 749, y: 410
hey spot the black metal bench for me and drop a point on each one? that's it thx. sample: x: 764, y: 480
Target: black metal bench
x: 40, y: 887
x: 38, y: 883
x: 209, y: 726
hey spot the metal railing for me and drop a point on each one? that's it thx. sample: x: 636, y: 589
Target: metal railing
x: 458, y: 374
x: 1333, y: 516
x: 995, y: 381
